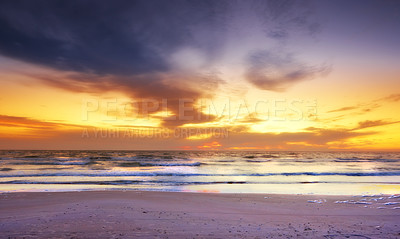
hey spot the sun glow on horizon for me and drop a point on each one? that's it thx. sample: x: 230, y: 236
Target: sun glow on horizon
x: 269, y: 83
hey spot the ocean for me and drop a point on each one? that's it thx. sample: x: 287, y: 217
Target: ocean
x: 325, y: 173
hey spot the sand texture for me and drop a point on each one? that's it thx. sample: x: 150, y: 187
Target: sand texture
x: 134, y: 214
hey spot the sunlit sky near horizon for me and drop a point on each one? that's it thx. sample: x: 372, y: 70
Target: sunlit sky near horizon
x: 200, y: 75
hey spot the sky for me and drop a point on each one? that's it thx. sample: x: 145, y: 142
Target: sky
x: 200, y: 75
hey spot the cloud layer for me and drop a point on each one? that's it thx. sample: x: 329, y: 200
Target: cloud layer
x: 156, y: 49
x: 277, y: 72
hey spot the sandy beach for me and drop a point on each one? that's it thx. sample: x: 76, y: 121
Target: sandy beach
x: 137, y: 214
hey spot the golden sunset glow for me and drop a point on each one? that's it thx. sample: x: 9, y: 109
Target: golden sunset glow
x: 261, y: 96
x: 199, y: 119
x: 308, y: 117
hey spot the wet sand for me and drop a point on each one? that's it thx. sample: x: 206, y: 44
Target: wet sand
x: 135, y: 214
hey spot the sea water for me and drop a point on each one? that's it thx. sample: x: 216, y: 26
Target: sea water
x: 326, y: 173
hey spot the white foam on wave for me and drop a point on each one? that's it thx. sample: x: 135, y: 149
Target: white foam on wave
x: 342, y: 201
x: 354, y: 202
x: 170, y: 164
x: 377, y: 199
x: 394, y: 196
x: 317, y: 201
x: 392, y: 203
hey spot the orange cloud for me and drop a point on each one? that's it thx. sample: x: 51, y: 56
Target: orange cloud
x: 392, y: 97
x: 246, y: 148
x: 150, y: 94
x: 18, y: 127
x: 26, y: 122
x: 373, y: 123
x: 213, y: 146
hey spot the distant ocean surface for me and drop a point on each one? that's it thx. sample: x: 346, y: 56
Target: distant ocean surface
x: 337, y: 173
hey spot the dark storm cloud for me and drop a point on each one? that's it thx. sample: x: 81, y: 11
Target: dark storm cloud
x: 286, y: 17
x: 122, y: 37
x: 120, y: 46
x: 277, y: 71
x: 127, y: 46
x: 134, y: 37
x: 151, y: 93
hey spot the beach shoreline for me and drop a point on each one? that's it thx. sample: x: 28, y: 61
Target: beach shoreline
x: 156, y: 214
